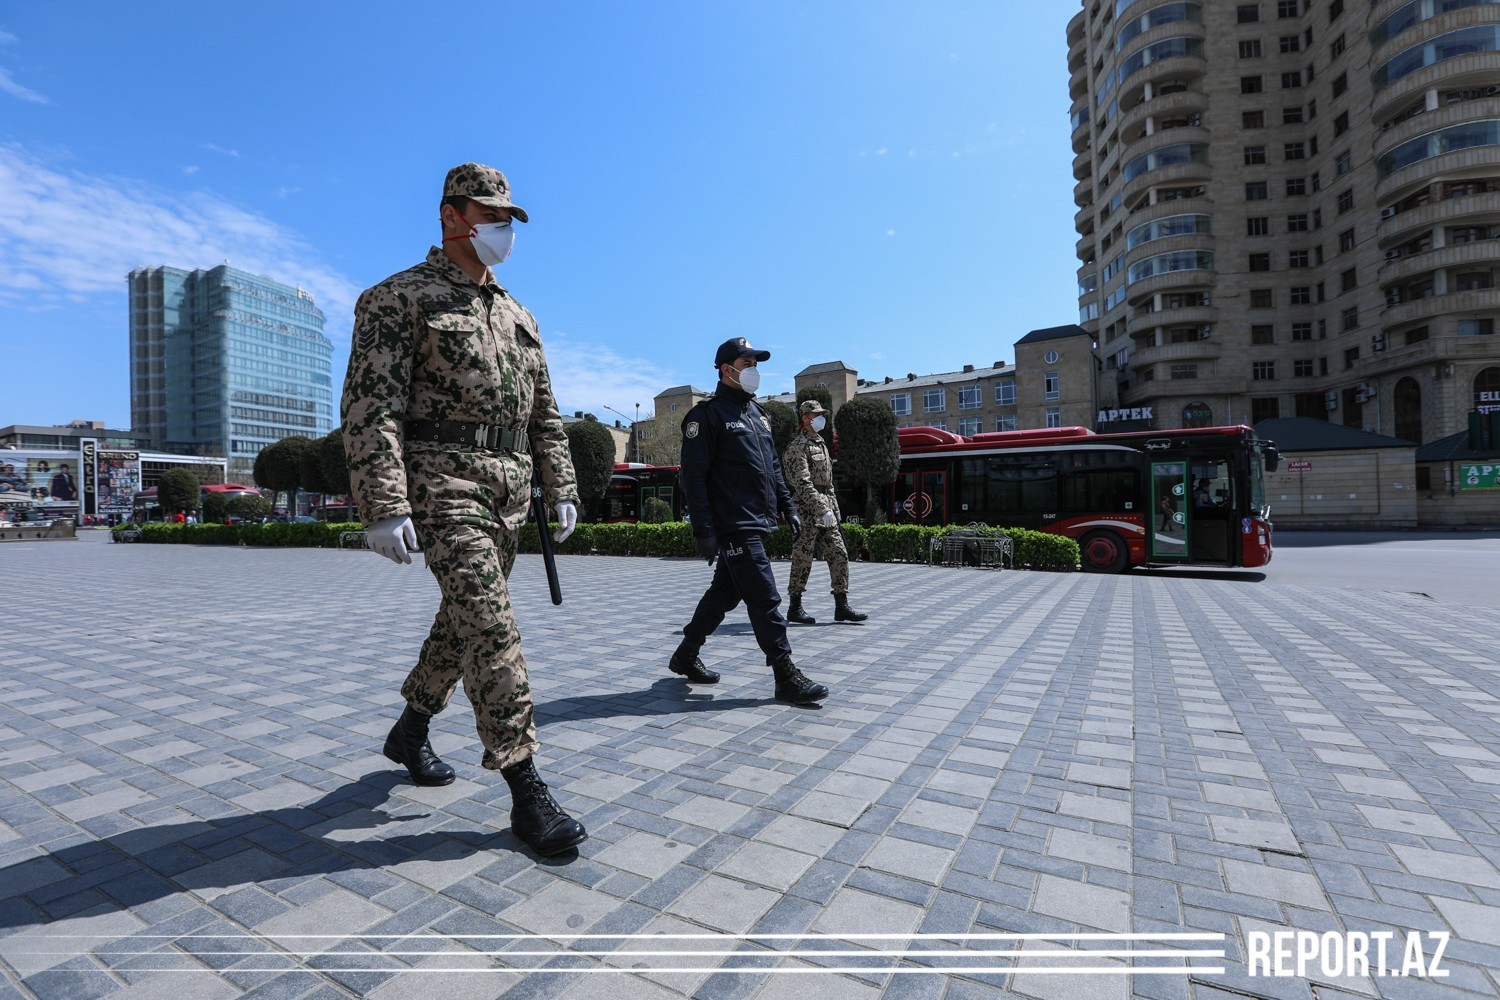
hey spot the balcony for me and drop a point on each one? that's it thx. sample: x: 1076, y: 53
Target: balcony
x: 1399, y: 269
x: 1478, y: 69
x: 1083, y: 165
x: 1083, y: 192
x: 1431, y: 121
x: 1188, y: 350
x: 1165, y: 176
x: 1188, y: 316
x: 1084, y: 219
x: 1484, y: 300
x: 1465, y: 209
x: 1172, y: 281
x: 1476, y: 161
x: 1184, y: 102
x: 1179, y: 69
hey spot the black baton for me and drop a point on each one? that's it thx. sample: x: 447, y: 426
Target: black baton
x: 539, y: 513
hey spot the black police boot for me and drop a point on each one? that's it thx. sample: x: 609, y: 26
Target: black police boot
x: 409, y: 746
x: 795, y: 614
x: 842, y: 612
x: 792, y: 686
x: 535, y: 816
x: 685, y: 662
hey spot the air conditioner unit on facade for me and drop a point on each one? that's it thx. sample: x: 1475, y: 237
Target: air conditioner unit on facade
x: 1393, y: 297
x: 1392, y: 254
x: 1330, y: 400
x: 1388, y: 212
x: 1377, y: 344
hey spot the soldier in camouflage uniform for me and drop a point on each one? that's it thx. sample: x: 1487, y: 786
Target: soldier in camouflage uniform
x: 809, y: 472
x: 447, y: 407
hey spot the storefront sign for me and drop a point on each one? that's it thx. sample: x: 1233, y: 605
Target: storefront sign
x: 1134, y: 413
x: 1299, y: 466
x: 117, y: 481
x: 1197, y: 414
x: 1479, y: 476
x: 86, y: 477
x: 1487, y: 400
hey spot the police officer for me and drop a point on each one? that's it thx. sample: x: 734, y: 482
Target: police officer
x: 734, y: 490
x: 447, y: 408
x: 809, y: 472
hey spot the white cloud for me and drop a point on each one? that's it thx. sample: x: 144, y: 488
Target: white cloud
x: 287, y: 192
x: 235, y: 153
x: 72, y: 237
x: 6, y: 38
x: 190, y: 170
x: 890, y: 232
x: 14, y: 89
x: 588, y: 376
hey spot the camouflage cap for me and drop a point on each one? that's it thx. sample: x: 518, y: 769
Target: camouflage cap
x: 810, y: 406
x: 483, y: 184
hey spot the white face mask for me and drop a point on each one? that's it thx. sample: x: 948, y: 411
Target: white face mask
x: 818, y: 423
x: 749, y: 379
x: 492, y: 242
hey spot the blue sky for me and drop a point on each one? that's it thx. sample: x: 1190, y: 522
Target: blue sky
x: 885, y: 184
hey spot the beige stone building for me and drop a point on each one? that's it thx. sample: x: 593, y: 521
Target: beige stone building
x: 1290, y: 208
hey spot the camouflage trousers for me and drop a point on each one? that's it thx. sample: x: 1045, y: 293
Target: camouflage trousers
x: 474, y: 639
x: 831, y: 541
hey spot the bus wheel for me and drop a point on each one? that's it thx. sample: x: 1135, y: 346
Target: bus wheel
x: 1103, y: 552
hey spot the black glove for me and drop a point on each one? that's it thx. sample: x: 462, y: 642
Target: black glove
x: 795, y: 523
x: 708, y: 547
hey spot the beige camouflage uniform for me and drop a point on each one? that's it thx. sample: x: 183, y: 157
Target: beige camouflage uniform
x: 432, y: 344
x: 808, y: 470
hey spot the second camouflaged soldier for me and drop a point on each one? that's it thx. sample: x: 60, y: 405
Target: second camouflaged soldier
x: 446, y: 407
x: 808, y: 469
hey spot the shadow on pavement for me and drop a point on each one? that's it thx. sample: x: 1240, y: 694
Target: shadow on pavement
x: 1236, y: 576
x: 666, y: 696
x: 130, y: 869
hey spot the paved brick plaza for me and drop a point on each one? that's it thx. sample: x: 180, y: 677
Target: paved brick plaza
x: 192, y: 785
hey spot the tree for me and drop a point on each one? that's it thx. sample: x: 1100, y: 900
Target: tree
x: 659, y: 440
x: 593, y: 450
x: 823, y: 396
x: 335, y: 462
x: 278, y: 468
x: 783, y: 424
x: 215, y: 508
x: 310, y: 468
x: 177, y: 491
x: 869, y: 450
x: 248, y: 507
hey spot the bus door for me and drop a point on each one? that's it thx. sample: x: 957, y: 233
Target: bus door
x: 1170, y: 520
x: 920, y: 497
x: 662, y: 493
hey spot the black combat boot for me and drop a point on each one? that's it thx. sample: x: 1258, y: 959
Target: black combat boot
x: 685, y: 662
x: 409, y: 746
x: 792, y: 686
x: 535, y: 816
x: 841, y: 610
x: 795, y: 614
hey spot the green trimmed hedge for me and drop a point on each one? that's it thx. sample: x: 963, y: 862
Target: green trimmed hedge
x: 877, y: 543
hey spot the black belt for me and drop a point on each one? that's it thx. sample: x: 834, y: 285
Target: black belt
x: 466, y: 433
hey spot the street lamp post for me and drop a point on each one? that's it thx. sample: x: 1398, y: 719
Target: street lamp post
x: 635, y: 442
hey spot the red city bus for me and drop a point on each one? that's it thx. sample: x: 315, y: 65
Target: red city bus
x: 633, y: 483
x: 1173, y: 497
x: 145, y: 507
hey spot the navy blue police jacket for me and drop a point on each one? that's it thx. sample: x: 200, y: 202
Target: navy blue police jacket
x: 731, y: 477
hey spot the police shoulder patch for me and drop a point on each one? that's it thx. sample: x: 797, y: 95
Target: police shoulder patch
x: 365, y: 339
x: 690, y: 429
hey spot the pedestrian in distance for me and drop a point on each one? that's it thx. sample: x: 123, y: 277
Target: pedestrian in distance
x: 733, y: 485
x: 447, y: 409
x: 808, y: 469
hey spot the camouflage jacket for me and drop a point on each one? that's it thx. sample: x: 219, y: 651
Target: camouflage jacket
x: 432, y: 344
x: 809, y: 471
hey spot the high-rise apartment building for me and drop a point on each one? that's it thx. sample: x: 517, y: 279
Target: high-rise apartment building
x: 1290, y: 208
x: 224, y: 363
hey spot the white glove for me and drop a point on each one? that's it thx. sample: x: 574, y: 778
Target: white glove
x: 829, y: 520
x: 567, y: 520
x: 395, y: 538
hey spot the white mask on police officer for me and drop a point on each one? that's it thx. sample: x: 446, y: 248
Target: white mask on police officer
x: 818, y: 423
x: 749, y: 379
x: 493, y: 241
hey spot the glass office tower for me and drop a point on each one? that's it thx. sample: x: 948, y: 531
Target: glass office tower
x: 223, y: 362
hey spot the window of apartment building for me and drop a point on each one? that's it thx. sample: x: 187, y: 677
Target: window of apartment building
x: 1180, y: 372
x: 1322, y: 326
x: 1473, y: 281
x: 1261, y: 298
x: 1341, y: 125
x: 1291, y: 43
x: 1350, y: 357
x: 1291, y: 79
x: 901, y: 404
x: 970, y: 397
x: 1301, y: 295
x: 1322, y: 366
x: 1258, y: 225
x: 1340, y: 84
x: 1291, y: 116
x: 1007, y: 422
x: 1312, y: 146
x: 1302, y: 331
x: 1288, y: 8
x: 941, y: 425
x: 1296, y: 258
x: 1256, y: 191
x: 1315, y: 181
x: 1344, y: 163
x: 1247, y: 13
x: 1416, y: 336
x: 1336, y: 47
x: 1251, y: 85
x: 1054, y: 417
x: 1254, y: 155
x: 1296, y: 185
x: 1252, y: 119
x: 1051, y: 387
x: 1311, y: 73
x: 1296, y: 223
x: 1476, y: 327
x: 1302, y: 369
x: 1346, y: 241
x: 1264, y: 409
x: 1005, y: 393
x: 1317, y: 218
x: 1260, y: 262
x: 1250, y: 49
x: 1263, y: 371
x: 934, y: 400
x: 1294, y: 151
x: 1346, y: 200
x: 970, y: 425
x: 1263, y: 334
x: 1312, y: 110
x: 1334, y: 10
